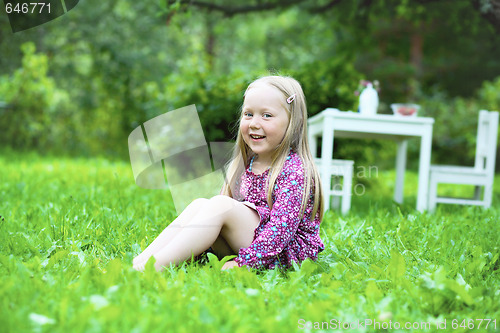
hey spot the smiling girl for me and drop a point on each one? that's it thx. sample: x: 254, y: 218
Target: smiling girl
x: 270, y: 207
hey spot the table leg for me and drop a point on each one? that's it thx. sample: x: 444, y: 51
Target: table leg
x: 326, y: 157
x: 400, y: 170
x: 423, y: 169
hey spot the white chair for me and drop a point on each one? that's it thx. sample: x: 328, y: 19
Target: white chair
x: 337, y: 169
x: 481, y: 174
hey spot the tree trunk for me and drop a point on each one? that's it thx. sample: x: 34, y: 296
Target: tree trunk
x: 416, y: 53
x: 416, y: 56
x: 210, y: 43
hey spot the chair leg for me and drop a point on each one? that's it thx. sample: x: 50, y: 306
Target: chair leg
x: 336, y: 186
x: 488, y: 193
x: 477, y: 192
x: 347, y: 192
x: 432, y: 193
x: 338, y: 195
x: 346, y: 202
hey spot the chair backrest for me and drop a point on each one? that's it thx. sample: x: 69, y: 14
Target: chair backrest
x: 486, y: 144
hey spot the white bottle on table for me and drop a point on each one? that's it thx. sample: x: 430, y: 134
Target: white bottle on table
x: 368, y: 100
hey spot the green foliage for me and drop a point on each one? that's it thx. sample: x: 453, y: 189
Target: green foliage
x: 329, y: 83
x: 39, y: 114
x: 107, y: 67
x: 218, y: 100
x: 455, y: 127
x: 489, y: 96
x: 70, y: 228
x: 398, y: 42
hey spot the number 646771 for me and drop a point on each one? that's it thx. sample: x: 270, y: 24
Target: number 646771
x: 28, y: 7
x: 473, y: 323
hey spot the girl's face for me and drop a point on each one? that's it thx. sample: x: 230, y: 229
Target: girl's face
x: 264, y: 121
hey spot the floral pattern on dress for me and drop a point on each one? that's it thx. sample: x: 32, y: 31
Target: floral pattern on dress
x: 282, y: 236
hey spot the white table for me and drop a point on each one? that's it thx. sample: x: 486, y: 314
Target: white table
x: 332, y: 122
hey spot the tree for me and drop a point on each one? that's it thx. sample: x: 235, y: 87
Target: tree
x: 408, y: 45
x: 488, y: 9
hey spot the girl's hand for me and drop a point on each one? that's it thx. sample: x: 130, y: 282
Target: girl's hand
x: 230, y: 264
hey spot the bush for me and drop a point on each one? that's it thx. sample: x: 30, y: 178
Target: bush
x: 331, y: 84
x: 42, y: 116
x: 38, y: 115
x: 219, y: 98
x: 455, y: 127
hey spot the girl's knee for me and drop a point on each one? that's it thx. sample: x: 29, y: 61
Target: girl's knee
x: 222, y: 200
x: 223, y: 203
x: 198, y: 203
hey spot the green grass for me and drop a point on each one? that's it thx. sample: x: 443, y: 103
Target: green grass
x: 70, y: 228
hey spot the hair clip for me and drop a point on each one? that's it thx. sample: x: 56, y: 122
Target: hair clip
x: 290, y: 99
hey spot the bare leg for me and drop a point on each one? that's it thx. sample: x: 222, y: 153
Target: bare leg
x: 170, y: 231
x: 222, y: 216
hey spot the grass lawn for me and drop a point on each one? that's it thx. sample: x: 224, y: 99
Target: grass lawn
x: 69, y: 229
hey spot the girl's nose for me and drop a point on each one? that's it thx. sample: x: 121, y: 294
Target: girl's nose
x: 254, y: 123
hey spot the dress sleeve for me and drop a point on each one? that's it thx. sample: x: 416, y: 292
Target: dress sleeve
x: 283, y: 223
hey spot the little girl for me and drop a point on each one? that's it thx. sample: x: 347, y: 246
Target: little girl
x: 270, y: 207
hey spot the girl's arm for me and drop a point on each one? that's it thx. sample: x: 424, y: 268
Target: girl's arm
x: 283, y: 223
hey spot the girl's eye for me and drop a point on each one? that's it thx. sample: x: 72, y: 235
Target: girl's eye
x: 267, y: 115
x: 247, y: 114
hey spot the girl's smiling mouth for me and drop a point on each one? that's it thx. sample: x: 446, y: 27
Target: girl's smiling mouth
x: 257, y: 137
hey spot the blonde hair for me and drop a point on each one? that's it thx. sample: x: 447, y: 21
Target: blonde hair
x: 295, y: 138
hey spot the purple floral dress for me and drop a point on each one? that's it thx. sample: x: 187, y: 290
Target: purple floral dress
x: 281, y: 237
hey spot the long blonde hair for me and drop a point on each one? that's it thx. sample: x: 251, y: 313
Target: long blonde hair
x: 295, y: 138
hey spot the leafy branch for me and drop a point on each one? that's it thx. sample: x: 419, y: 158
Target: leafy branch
x: 489, y: 9
x: 230, y: 11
